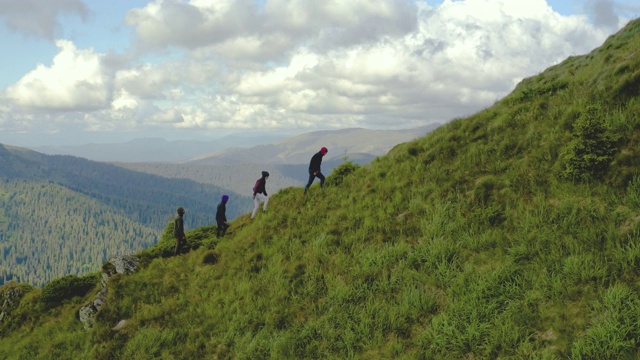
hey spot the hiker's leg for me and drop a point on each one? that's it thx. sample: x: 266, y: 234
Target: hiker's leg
x: 256, y: 204
x: 321, y: 177
x: 311, y: 178
x: 179, y: 245
x: 266, y: 202
x: 220, y: 229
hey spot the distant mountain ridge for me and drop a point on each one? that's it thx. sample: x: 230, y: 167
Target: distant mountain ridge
x: 354, y: 143
x: 154, y: 149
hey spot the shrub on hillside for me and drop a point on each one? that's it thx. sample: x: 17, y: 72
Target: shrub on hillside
x: 67, y: 287
x: 592, y: 148
x: 341, y: 172
x: 209, y: 258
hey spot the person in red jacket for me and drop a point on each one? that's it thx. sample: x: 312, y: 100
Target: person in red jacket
x: 314, y: 168
x: 260, y: 194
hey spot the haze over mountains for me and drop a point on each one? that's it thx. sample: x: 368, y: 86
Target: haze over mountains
x: 155, y: 149
x: 353, y: 144
x: 246, y: 149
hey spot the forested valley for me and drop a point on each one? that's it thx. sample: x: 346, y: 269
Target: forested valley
x: 63, y: 215
x: 48, y: 231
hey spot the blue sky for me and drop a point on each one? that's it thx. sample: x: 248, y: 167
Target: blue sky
x: 103, y: 71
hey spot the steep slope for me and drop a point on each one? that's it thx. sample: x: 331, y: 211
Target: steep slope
x: 509, y: 234
x: 64, y: 215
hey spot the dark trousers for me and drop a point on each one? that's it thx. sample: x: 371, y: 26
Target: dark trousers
x: 222, y: 228
x: 312, y: 177
x: 179, y: 245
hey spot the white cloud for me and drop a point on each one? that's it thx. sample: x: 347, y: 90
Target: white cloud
x: 146, y: 81
x: 302, y: 64
x: 124, y: 101
x: 261, y: 34
x: 75, y: 81
x: 169, y: 116
x: 191, y: 24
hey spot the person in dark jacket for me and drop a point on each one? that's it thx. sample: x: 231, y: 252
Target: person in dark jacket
x: 221, y: 216
x: 314, y: 168
x: 178, y: 230
x: 260, y: 194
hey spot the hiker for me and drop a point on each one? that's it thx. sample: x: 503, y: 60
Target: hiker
x: 260, y: 194
x: 178, y: 230
x: 221, y: 217
x: 314, y: 169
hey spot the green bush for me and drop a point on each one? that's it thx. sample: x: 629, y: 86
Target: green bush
x: 341, y: 172
x: 209, y: 258
x: 67, y: 287
x: 592, y: 148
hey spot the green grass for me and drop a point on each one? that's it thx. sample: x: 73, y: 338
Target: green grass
x: 470, y: 243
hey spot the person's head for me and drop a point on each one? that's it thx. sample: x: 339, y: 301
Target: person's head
x: 225, y: 198
x: 181, y: 211
x: 265, y: 174
x: 323, y: 151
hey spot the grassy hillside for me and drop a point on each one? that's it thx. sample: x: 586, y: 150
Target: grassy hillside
x: 64, y: 215
x: 510, y: 234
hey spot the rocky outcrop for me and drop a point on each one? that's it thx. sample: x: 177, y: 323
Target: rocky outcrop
x: 124, y: 264
x: 10, y: 296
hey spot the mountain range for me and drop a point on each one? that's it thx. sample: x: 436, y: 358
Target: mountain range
x: 355, y: 143
x: 155, y: 149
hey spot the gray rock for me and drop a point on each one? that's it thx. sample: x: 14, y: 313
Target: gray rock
x: 119, y: 325
x: 124, y: 264
x: 11, y: 296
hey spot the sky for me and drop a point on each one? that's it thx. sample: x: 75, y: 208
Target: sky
x: 78, y: 71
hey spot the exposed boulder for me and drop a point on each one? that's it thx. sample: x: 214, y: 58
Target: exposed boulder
x: 10, y: 295
x: 124, y: 264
